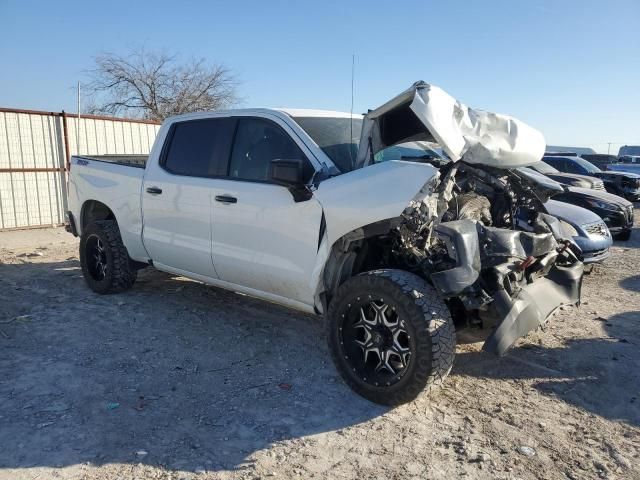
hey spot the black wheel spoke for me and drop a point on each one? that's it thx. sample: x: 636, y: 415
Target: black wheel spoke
x: 96, y: 251
x: 383, y: 350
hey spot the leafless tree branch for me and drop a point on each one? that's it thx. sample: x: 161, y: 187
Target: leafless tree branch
x: 156, y: 85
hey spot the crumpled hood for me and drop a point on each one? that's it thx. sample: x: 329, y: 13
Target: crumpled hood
x: 426, y: 112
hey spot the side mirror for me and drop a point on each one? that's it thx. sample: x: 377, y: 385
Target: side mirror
x: 289, y: 173
x: 286, y: 172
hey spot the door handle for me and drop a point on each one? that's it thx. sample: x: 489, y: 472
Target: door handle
x: 154, y: 190
x: 226, y: 199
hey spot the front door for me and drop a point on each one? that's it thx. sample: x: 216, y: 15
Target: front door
x: 262, y: 238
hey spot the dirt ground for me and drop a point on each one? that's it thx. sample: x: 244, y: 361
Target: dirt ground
x: 175, y: 379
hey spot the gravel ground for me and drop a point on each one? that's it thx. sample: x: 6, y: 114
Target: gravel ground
x: 175, y: 379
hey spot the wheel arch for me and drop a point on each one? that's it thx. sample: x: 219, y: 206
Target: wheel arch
x: 93, y: 210
x: 349, y: 255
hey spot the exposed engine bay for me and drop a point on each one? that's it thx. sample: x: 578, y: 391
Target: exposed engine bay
x: 481, y: 236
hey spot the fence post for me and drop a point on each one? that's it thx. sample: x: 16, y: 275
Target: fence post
x: 65, y: 133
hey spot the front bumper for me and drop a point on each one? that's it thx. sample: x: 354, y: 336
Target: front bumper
x: 631, y: 194
x: 488, y: 257
x: 595, y: 247
x: 618, y: 221
x: 595, y: 256
x: 533, y: 305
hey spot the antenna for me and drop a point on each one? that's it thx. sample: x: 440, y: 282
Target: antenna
x: 353, y: 68
x: 78, y: 126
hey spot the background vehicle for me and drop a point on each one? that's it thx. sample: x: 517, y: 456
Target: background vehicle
x: 280, y: 205
x: 573, y: 179
x: 586, y: 228
x: 600, y: 160
x: 629, y: 150
x: 629, y: 162
x: 614, y: 210
x: 573, y: 150
x: 624, y: 184
x: 633, y: 168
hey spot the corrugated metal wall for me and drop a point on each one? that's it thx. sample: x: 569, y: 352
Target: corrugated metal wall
x: 33, y: 159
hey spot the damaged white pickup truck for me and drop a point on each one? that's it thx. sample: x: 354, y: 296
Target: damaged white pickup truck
x: 336, y: 214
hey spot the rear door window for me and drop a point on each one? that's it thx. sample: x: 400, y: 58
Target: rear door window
x: 199, y: 148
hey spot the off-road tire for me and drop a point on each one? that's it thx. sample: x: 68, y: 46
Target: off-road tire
x: 120, y: 273
x: 622, y: 236
x: 427, y: 320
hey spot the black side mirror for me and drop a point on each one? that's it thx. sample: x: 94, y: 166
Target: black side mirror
x: 286, y: 172
x: 289, y: 173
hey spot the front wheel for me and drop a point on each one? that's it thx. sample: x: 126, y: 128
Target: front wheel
x: 390, y: 335
x: 106, y: 266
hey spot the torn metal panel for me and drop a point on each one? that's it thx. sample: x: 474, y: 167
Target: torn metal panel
x: 532, y: 306
x: 426, y: 112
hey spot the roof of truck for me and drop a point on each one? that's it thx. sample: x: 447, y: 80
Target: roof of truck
x: 308, y: 112
x: 292, y: 112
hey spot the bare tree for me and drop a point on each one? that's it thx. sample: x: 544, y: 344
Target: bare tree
x: 156, y: 85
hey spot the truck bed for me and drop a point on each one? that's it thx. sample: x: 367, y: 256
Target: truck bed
x: 116, y: 181
x: 624, y: 167
x: 138, y: 161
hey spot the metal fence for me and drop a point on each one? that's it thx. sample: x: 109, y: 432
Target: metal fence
x: 35, y: 148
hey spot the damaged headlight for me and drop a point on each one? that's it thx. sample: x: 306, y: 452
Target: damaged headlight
x: 568, y: 229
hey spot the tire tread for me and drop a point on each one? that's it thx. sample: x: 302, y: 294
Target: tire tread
x: 439, y: 327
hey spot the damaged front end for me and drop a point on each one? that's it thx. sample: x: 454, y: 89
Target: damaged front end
x: 492, y: 252
x: 479, y: 232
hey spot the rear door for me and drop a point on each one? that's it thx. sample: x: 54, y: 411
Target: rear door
x: 262, y: 238
x: 177, y: 194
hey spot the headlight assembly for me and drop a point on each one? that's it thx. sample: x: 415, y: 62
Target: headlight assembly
x: 568, y: 229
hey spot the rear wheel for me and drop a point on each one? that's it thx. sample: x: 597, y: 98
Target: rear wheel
x: 390, y: 335
x: 106, y: 266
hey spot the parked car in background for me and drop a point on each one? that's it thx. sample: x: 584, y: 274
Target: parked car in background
x: 629, y: 150
x: 574, y: 150
x: 572, y: 179
x: 625, y: 184
x: 614, y: 210
x: 586, y: 228
x: 600, y: 160
x: 635, y: 159
x: 628, y: 159
x: 625, y: 167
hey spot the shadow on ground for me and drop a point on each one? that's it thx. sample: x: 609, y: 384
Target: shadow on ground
x: 197, y: 377
x: 601, y: 376
x: 194, y: 376
x: 631, y: 283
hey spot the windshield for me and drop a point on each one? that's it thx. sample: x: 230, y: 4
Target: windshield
x: 419, y: 151
x: 588, y: 166
x: 337, y: 137
x: 544, y: 168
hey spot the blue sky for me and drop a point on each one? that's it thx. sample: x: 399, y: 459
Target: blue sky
x: 569, y: 68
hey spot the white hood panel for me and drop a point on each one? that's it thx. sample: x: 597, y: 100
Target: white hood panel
x: 475, y: 136
x: 368, y: 195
